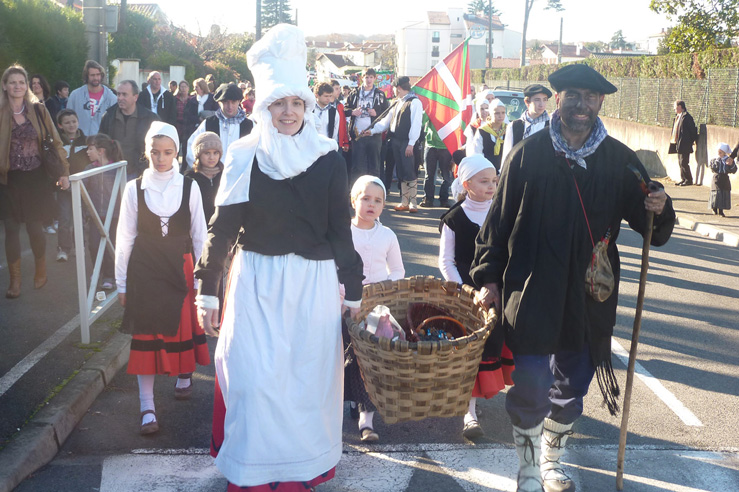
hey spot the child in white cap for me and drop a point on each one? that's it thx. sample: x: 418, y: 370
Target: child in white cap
x: 720, y: 199
x: 378, y: 246
x: 474, y: 188
x: 161, y: 227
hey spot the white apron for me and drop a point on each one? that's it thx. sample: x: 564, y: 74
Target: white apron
x: 279, y: 362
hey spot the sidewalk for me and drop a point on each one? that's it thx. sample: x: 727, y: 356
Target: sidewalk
x: 691, y: 207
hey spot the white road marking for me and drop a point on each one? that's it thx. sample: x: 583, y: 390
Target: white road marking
x: 474, y: 468
x: 25, y: 365
x: 656, y: 386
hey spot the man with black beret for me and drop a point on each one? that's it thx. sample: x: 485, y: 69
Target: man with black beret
x: 229, y: 123
x: 535, y: 118
x: 561, y: 191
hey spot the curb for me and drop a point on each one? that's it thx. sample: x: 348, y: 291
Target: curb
x: 708, y: 230
x: 42, y: 438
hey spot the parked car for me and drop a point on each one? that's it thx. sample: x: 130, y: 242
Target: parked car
x: 513, y: 99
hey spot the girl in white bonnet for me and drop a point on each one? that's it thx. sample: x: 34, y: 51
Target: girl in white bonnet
x: 284, y: 202
x: 161, y: 227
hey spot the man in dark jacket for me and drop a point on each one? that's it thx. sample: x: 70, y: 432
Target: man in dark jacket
x: 158, y: 100
x: 559, y: 188
x: 128, y: 123
x: 682, y: 139
x: 364, y: 105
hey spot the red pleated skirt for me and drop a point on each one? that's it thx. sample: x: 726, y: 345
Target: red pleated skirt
x: 494, y: 374
x: 178, y: 354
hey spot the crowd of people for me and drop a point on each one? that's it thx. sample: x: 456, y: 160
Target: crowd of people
x: 260, y: 182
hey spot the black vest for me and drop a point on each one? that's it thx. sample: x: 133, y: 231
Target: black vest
x: 488, y: 149
x: 518, y: 128
x: 465, y: 233
x: 403, y: 120
x: 212, y: 124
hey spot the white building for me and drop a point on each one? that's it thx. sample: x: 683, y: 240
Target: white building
x: 422, y: 44
x: 570, y: 53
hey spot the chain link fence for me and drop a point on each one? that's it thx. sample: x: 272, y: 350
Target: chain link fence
x: 713, y: 100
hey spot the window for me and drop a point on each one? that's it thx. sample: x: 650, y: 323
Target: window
x: 435, y: 37
x: 434, y: 51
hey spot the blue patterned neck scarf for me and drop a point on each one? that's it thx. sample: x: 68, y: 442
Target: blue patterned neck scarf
x: 236, y: 120
x: 542, y: 118
x: 597, y: 135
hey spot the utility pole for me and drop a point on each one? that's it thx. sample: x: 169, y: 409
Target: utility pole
x: 259, y: 20
x: 559, y: 48
x: 490, y: 33
x: 99, y: 19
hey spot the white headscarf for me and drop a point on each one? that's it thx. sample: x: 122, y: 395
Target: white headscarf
x: 494, y: 104
x: 725, y: 147
x: 151, y: 178
x: 361, y: 183
x: 469, y: 166
x: 479, y: 101
x: 277, y: 62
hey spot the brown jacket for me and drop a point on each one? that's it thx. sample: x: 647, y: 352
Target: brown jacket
x: 6, y: 126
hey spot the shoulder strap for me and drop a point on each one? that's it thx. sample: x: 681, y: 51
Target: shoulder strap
x: 245, y: 127
x: 518, y: 128
x: 211, y: 125
x: 41, y: 122
x: 331, y: 121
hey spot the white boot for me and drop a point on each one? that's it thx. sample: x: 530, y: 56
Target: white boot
x: 528, y: 448
x: 553, y: 441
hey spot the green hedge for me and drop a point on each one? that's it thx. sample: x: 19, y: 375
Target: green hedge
x: 44, y: 38
x: 680, y: 66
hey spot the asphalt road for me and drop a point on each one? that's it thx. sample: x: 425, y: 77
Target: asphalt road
x: 683, y: 425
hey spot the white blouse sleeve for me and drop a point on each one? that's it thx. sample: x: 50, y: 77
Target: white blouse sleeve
x: 507, y: 144
x: 198, y: 227
x: 475, y: 146
x: 126, y: 234
x: 446, y: 256
x: 395, y: 268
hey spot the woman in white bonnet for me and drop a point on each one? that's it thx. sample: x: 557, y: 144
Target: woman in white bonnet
x: 284, y: 200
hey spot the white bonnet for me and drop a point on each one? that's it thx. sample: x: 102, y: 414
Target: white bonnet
x: 277, y: 63
x: 361, y: 183
x: 160, y: 128
x: 725, y: 147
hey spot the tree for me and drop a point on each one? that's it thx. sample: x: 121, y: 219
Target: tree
x: 555, y: 5
x: 483, y: 6
x: 618, y: 41
x: 30, y: 31
x: 275, y: 12
x: 389, y: 60
x: 536, y: 51
x: 595, y: 46
x: 700, y: 25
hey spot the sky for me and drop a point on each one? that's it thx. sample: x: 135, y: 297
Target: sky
x: 584, y: 20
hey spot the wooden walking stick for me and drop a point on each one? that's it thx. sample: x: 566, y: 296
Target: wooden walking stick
x: 632, y: 350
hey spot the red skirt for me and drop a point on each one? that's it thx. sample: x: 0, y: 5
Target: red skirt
x: 494, y: 374
x: 216, y: 440
x: 178, y: 354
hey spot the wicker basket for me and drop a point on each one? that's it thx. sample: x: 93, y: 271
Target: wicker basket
x: 413, y: 381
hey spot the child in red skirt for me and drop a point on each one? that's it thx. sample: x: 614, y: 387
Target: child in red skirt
x: 161, y: 227
x: 473, y: 189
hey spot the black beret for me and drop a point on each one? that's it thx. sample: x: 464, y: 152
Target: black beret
x: 580, y: 76
x: 228, y: 92
x: 533, y: 89
x: 400, y: 81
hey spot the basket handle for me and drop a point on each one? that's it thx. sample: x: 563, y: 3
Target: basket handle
x: 435, y: 318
